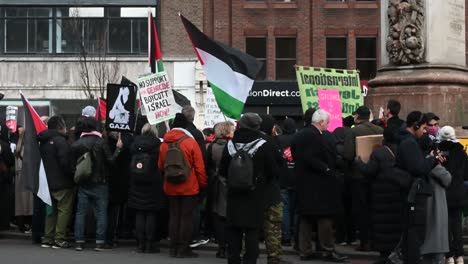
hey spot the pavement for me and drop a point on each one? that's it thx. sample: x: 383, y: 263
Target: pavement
x: 16, y: 246
x: 22, y: 251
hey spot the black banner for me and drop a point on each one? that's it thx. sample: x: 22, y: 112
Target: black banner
x: 120, y: 107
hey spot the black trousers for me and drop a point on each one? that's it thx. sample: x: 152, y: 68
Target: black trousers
x: 361, y: 209
x: 345, y: 225
x: 145, y: 225
x: 455, y: 233
x: 234, y: 237
x: 219, y: 223
x: 182, y: 212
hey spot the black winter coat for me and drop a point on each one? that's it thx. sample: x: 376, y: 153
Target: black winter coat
x: 146, y: 192
x: 318, y: 191
x: 103, y: 157
x: 119, y: 183
x: 411, y: 158
x: 387, y: 199
x: 457, y: 165
x: 287, y: 177
x: 246, y: 209
x: 272, y: 188
x: 57, y: 158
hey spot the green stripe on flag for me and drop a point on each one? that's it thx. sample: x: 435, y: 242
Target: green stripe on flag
x: 160, y: 66
x: 230, y: 106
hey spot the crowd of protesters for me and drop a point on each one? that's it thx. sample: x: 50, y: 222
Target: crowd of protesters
x: 250, y: 181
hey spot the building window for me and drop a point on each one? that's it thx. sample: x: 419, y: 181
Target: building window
x: 256, y: 46
x: 285, y: 58
x: 28, y: 30
x: 366, y: 57
x: 336, y: 53
x: 76, y: 29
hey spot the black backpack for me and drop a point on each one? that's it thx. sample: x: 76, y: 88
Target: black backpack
x: 241, y: 175
x: 141, y: 163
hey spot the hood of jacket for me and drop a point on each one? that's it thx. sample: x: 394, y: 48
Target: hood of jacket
x: 175, y: 134
x: 47, y: 135
x: 146, y: 143
x: 404, y: 134
x: 450, y: 146
x: 245, y: 135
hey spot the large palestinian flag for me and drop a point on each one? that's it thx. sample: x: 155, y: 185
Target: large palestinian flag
x: 229, y: 71
x: 33, y: 170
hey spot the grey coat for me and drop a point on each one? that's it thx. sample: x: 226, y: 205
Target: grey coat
x: 436, y: 238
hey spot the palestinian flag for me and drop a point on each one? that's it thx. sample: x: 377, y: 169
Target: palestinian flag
x: 154, y: 50
x: 34, y: 174
x: 229, y: 71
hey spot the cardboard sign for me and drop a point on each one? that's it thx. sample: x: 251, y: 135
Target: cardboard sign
x: 310, y: 80
x: 329, y: 100
x: 11, y: 118
x: 120, y: 107
x: 213, y: 114
x: 157, y: 97
x: 464, y: 142
x: 366, y: 144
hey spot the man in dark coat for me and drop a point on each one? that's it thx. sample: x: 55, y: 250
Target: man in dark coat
x: 245, y: 209
x: 393, y: 122
x: 57, y: 158
x: 360, y: 186
x: 318, y: 198
x: 411, y: 158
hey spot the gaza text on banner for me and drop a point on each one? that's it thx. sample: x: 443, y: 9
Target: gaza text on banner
x: 157, y: 97
x: 310, y: 80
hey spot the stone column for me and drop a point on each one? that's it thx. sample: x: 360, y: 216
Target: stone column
x: 423, y: 59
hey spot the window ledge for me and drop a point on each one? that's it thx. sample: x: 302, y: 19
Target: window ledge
x: 251, y: 5
x: 336, y: 5
x: 366, y: 5
x: 285, y: 5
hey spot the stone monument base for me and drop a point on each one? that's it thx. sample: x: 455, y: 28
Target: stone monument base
x: 440, y: 89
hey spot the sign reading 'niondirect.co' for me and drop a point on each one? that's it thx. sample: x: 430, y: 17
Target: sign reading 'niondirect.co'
x: 310, y: 80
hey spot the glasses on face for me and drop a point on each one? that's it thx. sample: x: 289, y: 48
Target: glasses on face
x: 431, y: 125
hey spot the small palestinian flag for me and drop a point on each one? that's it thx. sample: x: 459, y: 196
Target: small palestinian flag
x: 230, y: 72
x: 33, y: 170
x: 101, y: 112
x: 154, y: 50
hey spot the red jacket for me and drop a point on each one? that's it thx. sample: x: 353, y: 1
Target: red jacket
x: 194, y: 157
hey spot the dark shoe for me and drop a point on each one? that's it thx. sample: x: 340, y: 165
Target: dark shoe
x: 151, y: 247
x: 141, y: 248
x: 102, y: 247
x: 173, y: 252
x: 363, y: 248
x: 221, y: 253
x: 46, y: 244
x: 286, y: 243
x: 79, y: 246
x: 335, y: 257
x: 313, y: 256
x: 60, y: 244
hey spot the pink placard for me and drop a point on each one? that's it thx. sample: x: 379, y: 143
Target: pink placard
x: 329, y: 100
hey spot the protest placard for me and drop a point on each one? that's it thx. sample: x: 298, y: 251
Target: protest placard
x: 11, y: 118
x: 366, y: 144
x: 329, y: 100
x: 120, y: 107
x: 213, y: 114
x: 310, y: 80
x: 157, y: 97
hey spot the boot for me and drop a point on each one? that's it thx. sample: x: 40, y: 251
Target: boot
x: 221, y: 253
x: 152, y: 247
x: 141, y: 247
x: 186, y: 252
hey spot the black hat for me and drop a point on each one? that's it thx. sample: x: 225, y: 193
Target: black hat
x: 251, y: 121
x: 179, y: 121
x: 431, y: 116
x: 348, y: 121
x: 268, y: 122
x: 363, y: 112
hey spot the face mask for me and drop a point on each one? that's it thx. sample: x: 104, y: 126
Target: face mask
x: 433, y: 131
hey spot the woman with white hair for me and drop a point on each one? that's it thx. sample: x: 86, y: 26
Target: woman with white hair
x: 457, y: 165
x: 146, y: 193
